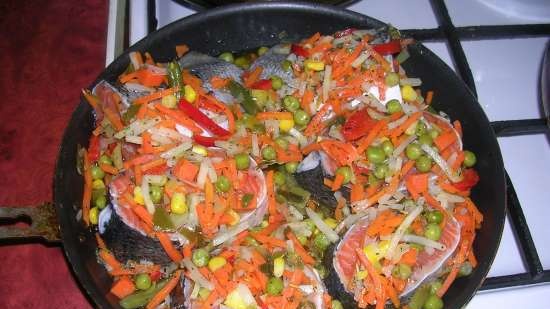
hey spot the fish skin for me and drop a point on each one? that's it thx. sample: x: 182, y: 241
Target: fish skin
x: 205, y: 67
x: 128, y: 243
x: 312, y: 180
x: 270, y: 62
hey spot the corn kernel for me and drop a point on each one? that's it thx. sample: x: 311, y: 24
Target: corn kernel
x: 408, y: 93
x: 332, y: 223
x: 169, y: 101
x: 286, y: 125
x: 314, y: 65
x: 278, y: 267
x: 190, y: 94
x: 264, y: 224
x: 178, y: 205
x: 362, y: 274
x: 216, y: 263
x: 98, y: 184
x: 138, y: 196
x: 235, y: 216
x: 201, y: 150
x: 94, y: 215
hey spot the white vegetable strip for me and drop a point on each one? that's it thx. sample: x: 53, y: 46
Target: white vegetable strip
x: 399, y: 149
x: 441, y: 162
x: 322, y: 226
x: 196, y: 276
x: 359, y: 60
x: 138, y: 127
x: 146, y: 196
x: 203, y: 173
x: 424, y: 241
x: 326, y: 82
x: 255, y: 145
x: 401, y: 231
x: 176, y: 151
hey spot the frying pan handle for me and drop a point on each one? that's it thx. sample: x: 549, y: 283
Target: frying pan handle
x: 43, y: 223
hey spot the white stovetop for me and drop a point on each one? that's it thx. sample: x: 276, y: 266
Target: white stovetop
x: 506, y: 75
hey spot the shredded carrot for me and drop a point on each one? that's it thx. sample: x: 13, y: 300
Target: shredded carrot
x: 179, y: 117
x: 123, y: 287
x: 373, y: 274
x: 365, y: 142
x: 385, y: 223
x: 417, y: 184
x: 429, y: 97
x: 114, y: 119
x: 181, y: 50
x: 458, y: 127
x: 109, y: 259
x: 165, y: 291
x: 337, y: 183
x: 409, y: 257
x: 307, y: 98
x: 218, y: 82
x: 405, y: 125
x: 152, y: 164
x: 306, y: 258
x: 136, y: 269
x: 274, y: 115
x: 155, y: 95
x: 166, y: 243
x: 338, y: 212
x: 445, y: 140
x: 252, y: 77
x: 108, y: 168
x: 271, y: 203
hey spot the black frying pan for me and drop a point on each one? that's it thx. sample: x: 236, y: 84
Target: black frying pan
x: 243, y: 27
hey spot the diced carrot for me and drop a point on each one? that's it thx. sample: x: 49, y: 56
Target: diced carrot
x: 165, y: 291
x: 357, y: 192
x: 429, y: 97
x: 458, y: 127
x: 185, y: 170
x: 338, y: 212
x: 337, y: 183
x: 123, y: 287
x: 152, y: 164
x: 107, y: 168
x: 409, y: 257
x: 306, y: 100
x: 166, y: 243
x: 138, y: 160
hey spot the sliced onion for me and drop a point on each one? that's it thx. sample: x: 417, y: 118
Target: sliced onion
x: 135, y: 87
x: 137, y: 127
x: 441, y: 162
x: 411, y: 81
x: 146, y: 196
x: 195, y: 275
x: 134, y: 59
x: 176, y: 151
x: 399, y: 149
x: 401, y: 231
x: 326, y: 82
x: 359, y: 60
x: 203, y: 173
x: 255, y: 145
x: 322, y: 226
x: 349, y: 221
x: 424, y: 241
x: 394, y: 124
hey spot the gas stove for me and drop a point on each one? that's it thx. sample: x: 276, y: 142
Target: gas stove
x: 496, y: 47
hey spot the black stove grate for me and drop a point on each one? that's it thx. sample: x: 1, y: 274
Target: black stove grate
x: 447, y: 32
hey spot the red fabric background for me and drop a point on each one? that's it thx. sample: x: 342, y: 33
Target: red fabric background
x: 49, y: 50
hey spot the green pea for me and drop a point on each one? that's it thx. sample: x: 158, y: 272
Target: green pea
x: 433, y: 133
x: 100, y: 201
x: 321, y: 242
x: 242, y: 62
x: 94, y: 215
x: 97, y: 172
x: 227, y: 56
x: 268, y: 153
x: 346, y: 172
x: 223, y: 184
x: 242, y: 161
x: 381, y: 171
x: 104, y: 159
x: 413, y: 151
x: 416, y: 246
x: 201, y: 257
x: 392, y: 79
x: 469, y: 158
x: 156, y: 193
x: 393, y: 106
x: 276, y: 82
x: 286, y: 65
x: 376, y: 154
x: 302, y: 239
x: 425, y: 139
x: 434, y: 286
x: 433, y: 302
x: 143, y: 281
x: 321, y: 269
x: 373, y: 181
x: 291, y: 103
x: 262, y: 50
x: 420, y: 128
x: 282, y: 142
x: 409, y: 203
x: 250, y: 241
x: 247, y: 198
x: 423, y: 164
x: 291, y: 167
x: 336, y: 304
x: 204, y: 293
x: 434, y: 217
x: 301, y: 118
x: 387, y: 146
x: 274, y: 286
x: 465, y: 269
x: 433, y: 231
x: 279, y: 178
x: 402, y: 271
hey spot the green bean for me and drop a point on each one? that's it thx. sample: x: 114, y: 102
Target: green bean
x: 243, y: 97
x: 175, y: 79
x: 346, y: 172
x: 141, y: 298
x: 419, y: 297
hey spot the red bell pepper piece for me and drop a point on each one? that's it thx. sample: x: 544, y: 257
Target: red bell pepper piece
x: 470, y: 179
x: 358, y: 125
x: 206, y: 141
x: 299, y: 50
x: 93, y: 148
x: 390, y: 48
x: 263, y: 84
x: 344, y: 32
x: 155, y: 275
x: 201, y: 119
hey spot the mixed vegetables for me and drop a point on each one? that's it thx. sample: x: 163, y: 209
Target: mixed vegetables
x: 220, y: 186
